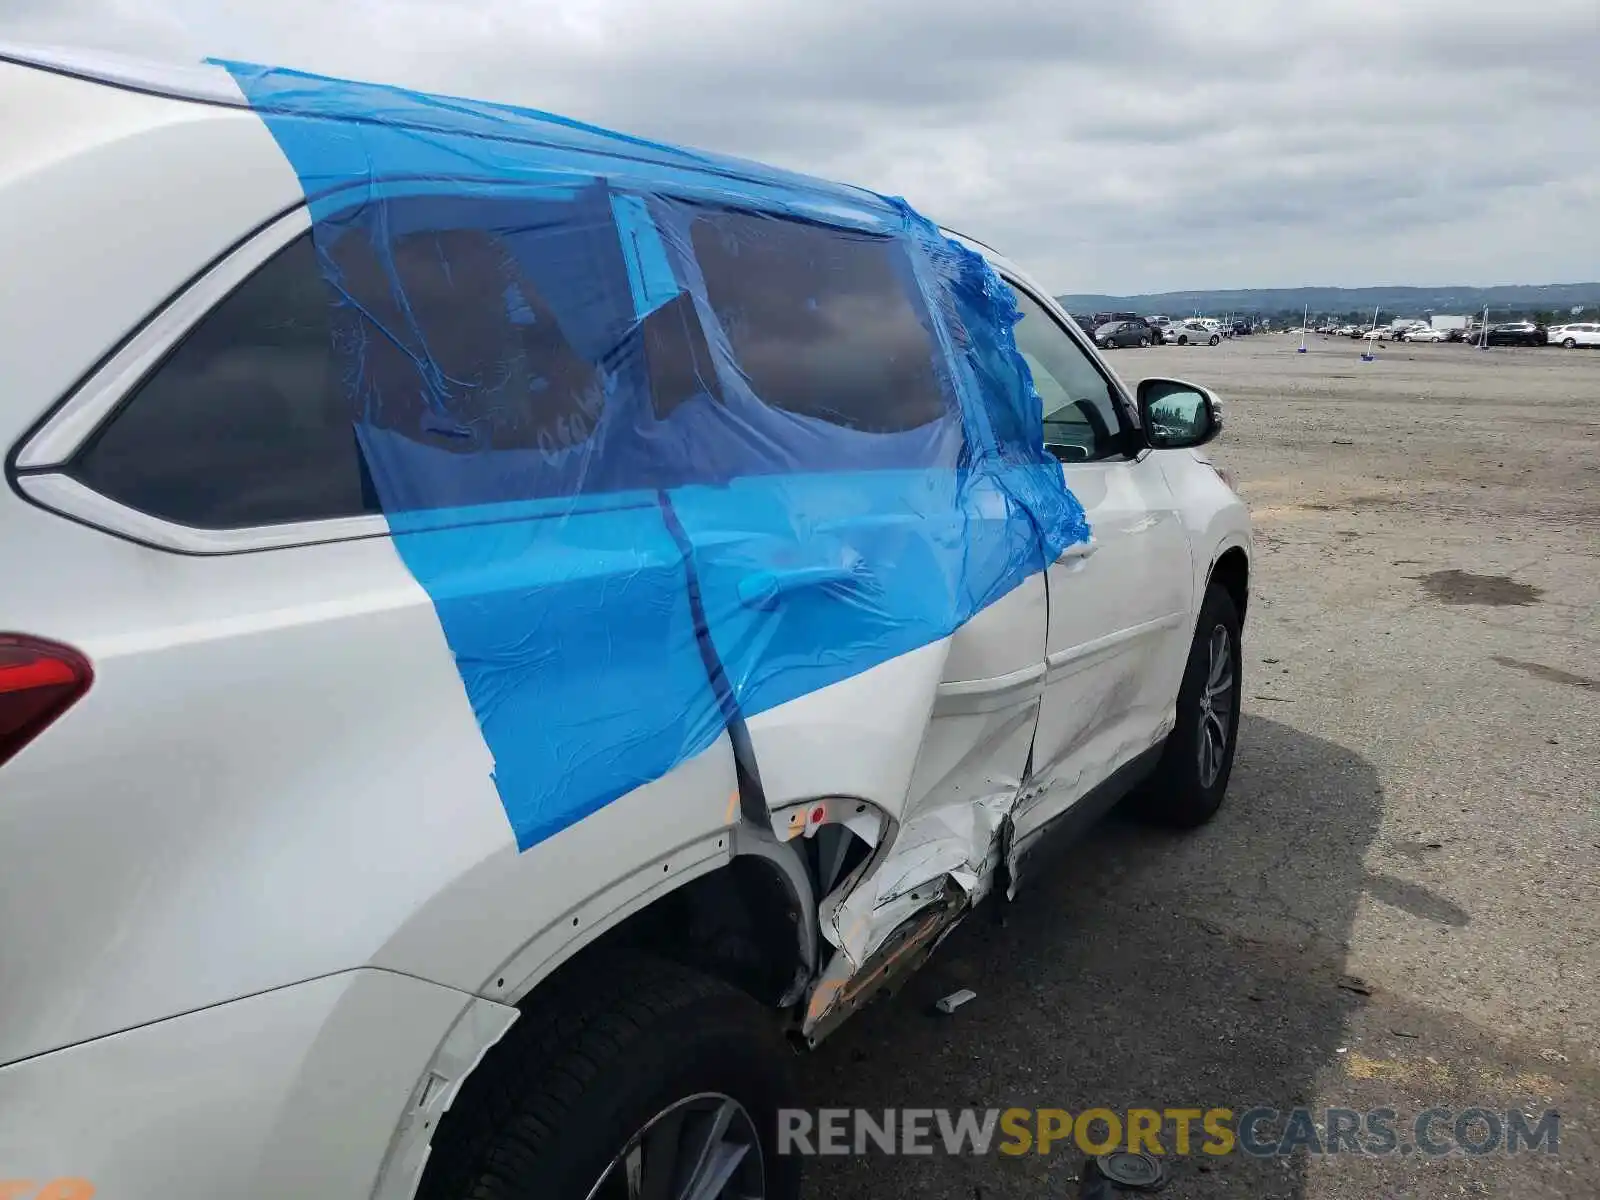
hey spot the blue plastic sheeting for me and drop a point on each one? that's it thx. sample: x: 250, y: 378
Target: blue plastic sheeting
x: 669, y: 439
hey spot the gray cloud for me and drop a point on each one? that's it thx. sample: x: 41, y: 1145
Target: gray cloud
x: 1128, y: 147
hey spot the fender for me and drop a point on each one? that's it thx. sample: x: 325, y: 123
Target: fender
x: 1216, y: 520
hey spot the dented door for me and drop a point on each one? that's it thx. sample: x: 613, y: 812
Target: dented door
x: 1118, y: 602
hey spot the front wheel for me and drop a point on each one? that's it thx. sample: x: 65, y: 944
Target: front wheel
x: 1189, y: 782
x: 1215, y: 340
x: 635, y: 1078
x: 1570, y: 344
x: 1183, y: 341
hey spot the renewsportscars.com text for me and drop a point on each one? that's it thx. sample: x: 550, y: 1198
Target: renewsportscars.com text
x: 1260, y: 1131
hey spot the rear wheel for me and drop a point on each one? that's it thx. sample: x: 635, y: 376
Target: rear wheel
x: 1192, y: 777
x: 634, y: 1078
x: 1215, y: 340
x: 1144, y: 343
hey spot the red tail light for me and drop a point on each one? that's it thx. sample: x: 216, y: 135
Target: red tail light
x: 39, y: 681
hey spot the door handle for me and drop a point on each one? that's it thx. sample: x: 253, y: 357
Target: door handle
x: 763, y: 589
x: 1078, y: 551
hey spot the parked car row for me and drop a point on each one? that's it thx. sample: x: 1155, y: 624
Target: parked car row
x: 1118, y: 330
x: 1115, y: 330
x: 1416, y: 331
x: 1506, y: 333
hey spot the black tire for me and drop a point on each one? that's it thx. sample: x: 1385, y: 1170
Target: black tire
x: 1144, y: 343
x: 1215, y: 340
x: 1570, y: 344
x: 1183, y: 341
x: 1177, y: 794
x: 596, y: 1054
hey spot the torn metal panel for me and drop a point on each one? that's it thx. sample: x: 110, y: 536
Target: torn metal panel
x: 845, y: 986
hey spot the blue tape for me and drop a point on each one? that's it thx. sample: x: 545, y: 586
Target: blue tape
x: 649, y: 272
x: 667, y: 438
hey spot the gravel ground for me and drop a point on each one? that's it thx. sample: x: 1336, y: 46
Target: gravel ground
x: 1399, y: 906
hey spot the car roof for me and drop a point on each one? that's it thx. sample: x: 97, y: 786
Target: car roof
x: 283, y: 92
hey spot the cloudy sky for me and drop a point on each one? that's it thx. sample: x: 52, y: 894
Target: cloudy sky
x: 1120, y: 146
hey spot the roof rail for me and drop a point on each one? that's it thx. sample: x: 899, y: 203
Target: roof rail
x: 179, y: 81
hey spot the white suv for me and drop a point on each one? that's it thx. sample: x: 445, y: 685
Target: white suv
x: 501, y: 621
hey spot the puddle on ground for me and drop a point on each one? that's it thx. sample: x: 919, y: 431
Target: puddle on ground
x: 1463, y: 587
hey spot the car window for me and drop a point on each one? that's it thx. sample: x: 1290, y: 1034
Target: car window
x: 247, y: 421
x: 822, y: 322
x: 252, y: 419
x: 457, y: 345
x: 1081, y: 423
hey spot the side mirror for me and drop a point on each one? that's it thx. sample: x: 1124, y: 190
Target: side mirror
x: 1177, y: 415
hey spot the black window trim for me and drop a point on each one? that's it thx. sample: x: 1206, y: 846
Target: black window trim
x: 1128, y: 432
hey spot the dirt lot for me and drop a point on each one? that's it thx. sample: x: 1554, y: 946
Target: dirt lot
x: 1400, y: 904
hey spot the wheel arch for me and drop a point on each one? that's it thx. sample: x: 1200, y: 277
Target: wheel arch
x: 749, y: 922
x: 752, y: 923
x: 1231, y: 572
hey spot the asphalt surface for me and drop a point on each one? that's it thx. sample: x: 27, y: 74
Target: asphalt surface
x: 1399, y: 905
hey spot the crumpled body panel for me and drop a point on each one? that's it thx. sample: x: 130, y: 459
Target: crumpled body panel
x: 668, y: 439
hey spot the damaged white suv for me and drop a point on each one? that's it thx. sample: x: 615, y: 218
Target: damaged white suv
x: 501, y: 622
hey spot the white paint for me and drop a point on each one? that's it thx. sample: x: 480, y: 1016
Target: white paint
x: 480, y: 1026
x: 294, y: 1092
x: 1118, y: 634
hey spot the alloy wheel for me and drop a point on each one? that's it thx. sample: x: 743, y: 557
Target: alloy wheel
x: 1216, y: 707
x: 703, y: 1147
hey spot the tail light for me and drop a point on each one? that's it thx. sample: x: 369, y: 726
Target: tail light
x: 39, y: 681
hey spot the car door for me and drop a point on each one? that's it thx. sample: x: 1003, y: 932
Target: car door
x: 1120, y: 606
x: 842, y: 565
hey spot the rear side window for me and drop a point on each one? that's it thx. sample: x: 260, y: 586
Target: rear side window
x: 823, y: 322
x: 450, y: 343
x: 247, y: 421
x: 251, y: 421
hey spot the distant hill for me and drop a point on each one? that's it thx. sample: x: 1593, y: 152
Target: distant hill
x: 1405, y: 301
